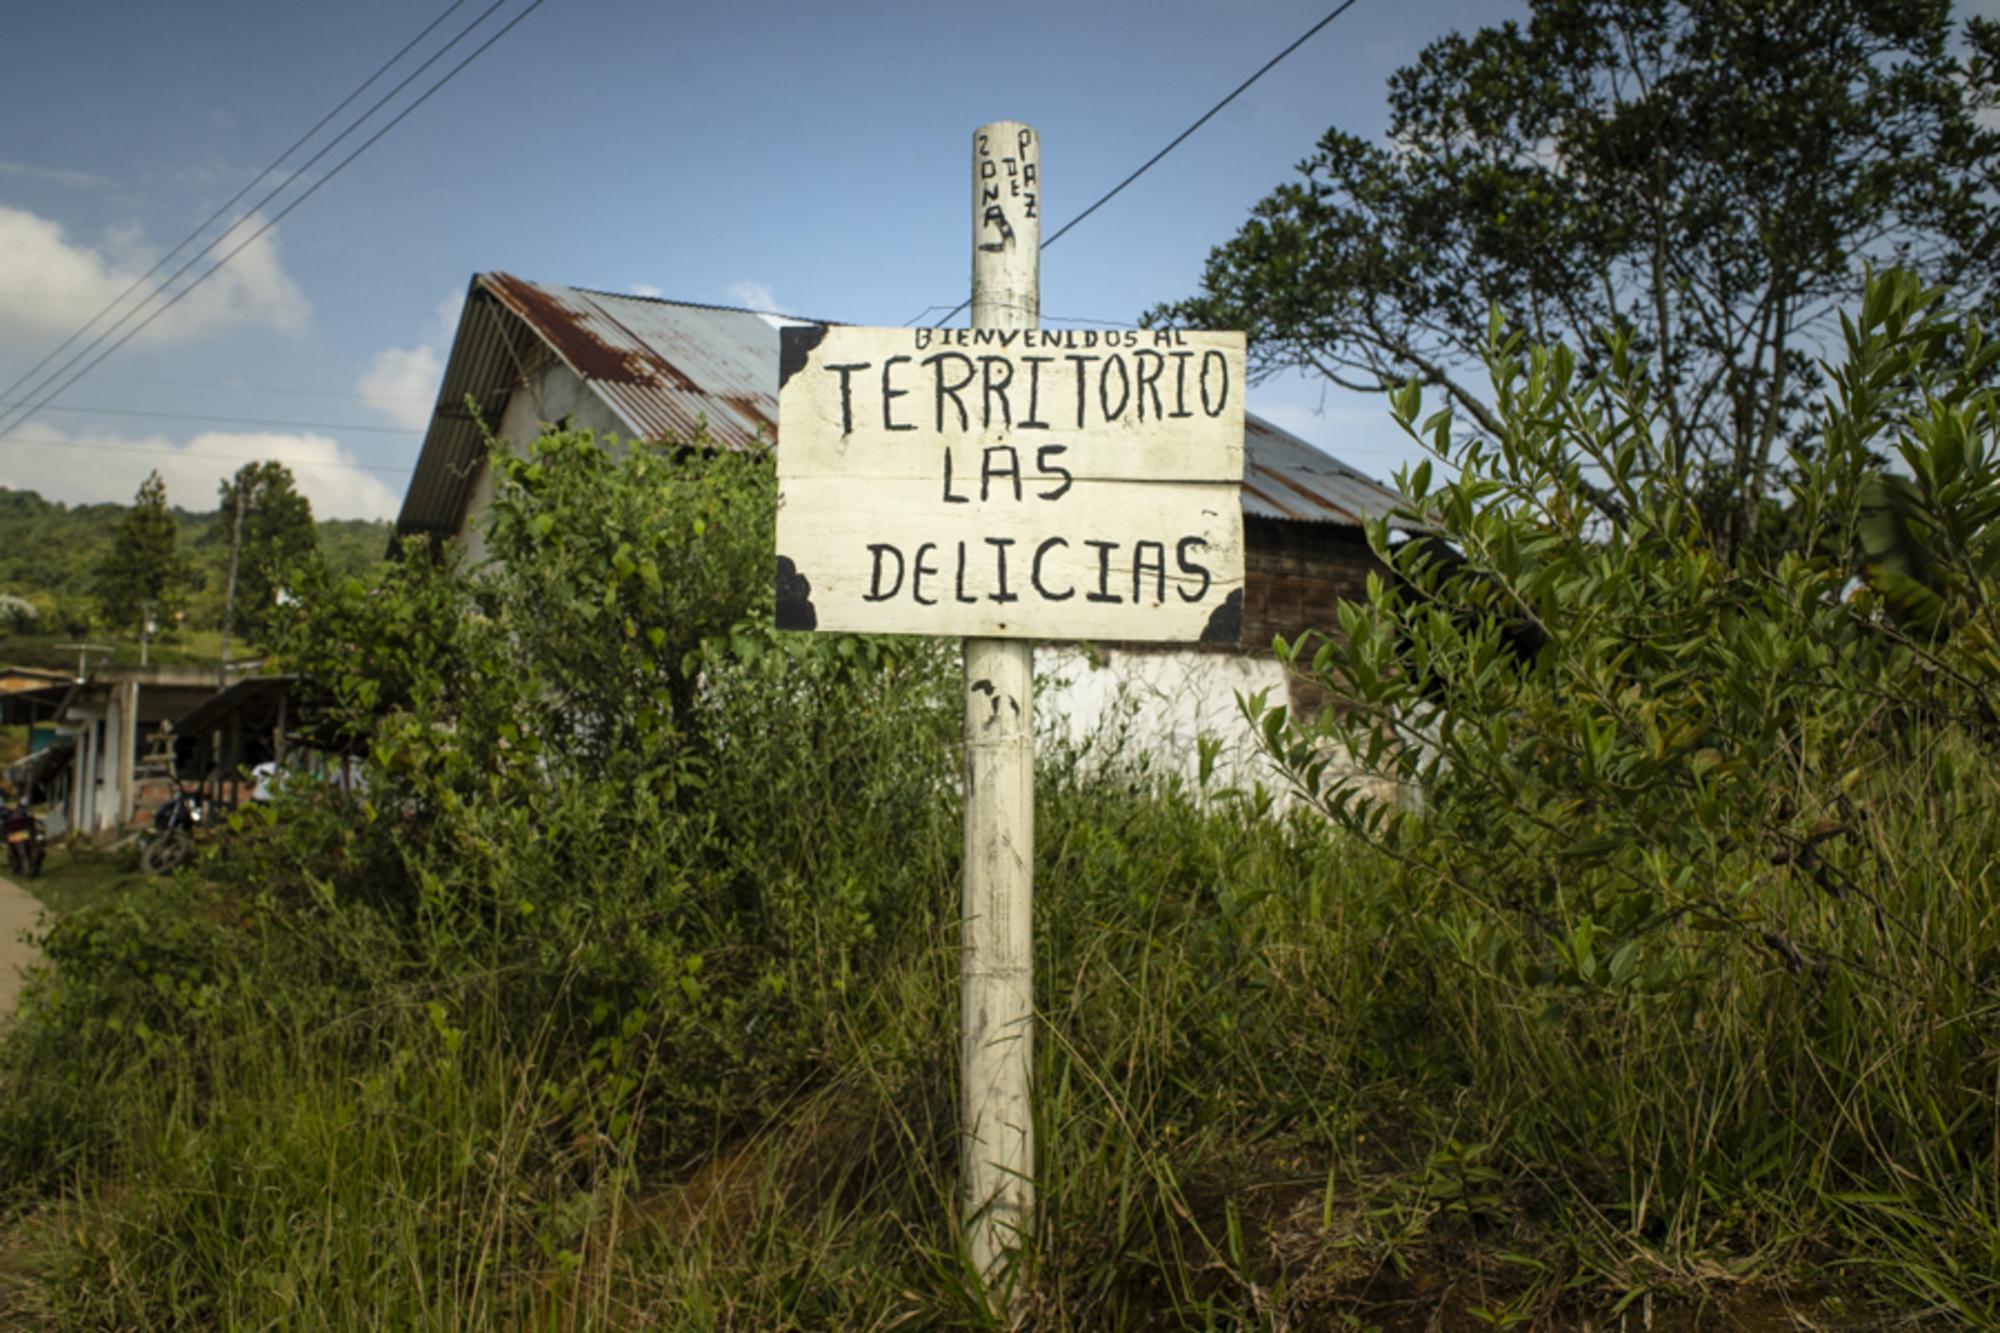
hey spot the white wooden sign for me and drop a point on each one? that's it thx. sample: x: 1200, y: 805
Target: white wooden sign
x: 1011, y: 483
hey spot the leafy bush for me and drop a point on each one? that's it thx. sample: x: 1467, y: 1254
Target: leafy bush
x: 1637, y: 782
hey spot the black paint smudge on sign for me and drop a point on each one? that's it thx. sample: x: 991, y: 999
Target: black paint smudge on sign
x: 795, y: 608
x: 1226, y: 624
x: 795, y: 345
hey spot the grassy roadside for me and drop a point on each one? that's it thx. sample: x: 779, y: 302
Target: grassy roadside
x: 1266, y: 1100
x: 73, y: 878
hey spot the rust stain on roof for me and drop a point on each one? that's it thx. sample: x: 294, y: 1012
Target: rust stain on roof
x: 590, y: 355
x: 1283, y: 511
x: 1295, y: 484
x: 751, y: 408
x: 579, y: 338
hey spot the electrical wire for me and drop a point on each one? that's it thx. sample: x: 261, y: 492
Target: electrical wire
x: 17, y: 421
x: 1178, y: 139
x: 212, y: 218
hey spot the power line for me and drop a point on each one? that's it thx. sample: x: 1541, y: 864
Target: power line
x: 234, y: 421
x: 212, y: 218
x: 1178, y: 139
x: 274, y: 220
x: 173, y: 453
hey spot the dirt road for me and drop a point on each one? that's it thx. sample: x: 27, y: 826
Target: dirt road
x: 17, y: 913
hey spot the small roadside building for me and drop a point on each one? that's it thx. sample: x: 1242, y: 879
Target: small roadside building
x: 530, y: 355
x: 106, y: 721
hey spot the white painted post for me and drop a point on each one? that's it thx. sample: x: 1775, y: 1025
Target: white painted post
x: 997, y: 933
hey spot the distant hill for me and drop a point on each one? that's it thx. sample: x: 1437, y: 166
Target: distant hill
x: 50, y: 551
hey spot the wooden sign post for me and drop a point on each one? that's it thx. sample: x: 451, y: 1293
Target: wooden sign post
x: 1005, y: 483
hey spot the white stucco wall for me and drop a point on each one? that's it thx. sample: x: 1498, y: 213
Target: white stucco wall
x: 1156, y: 704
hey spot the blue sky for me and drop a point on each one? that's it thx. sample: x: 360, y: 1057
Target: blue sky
x: 810, y: 157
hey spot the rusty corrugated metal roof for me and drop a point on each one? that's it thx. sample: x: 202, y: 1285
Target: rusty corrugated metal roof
x: 665, y: 367
x: 668, y: 368
x: 1286, y: 478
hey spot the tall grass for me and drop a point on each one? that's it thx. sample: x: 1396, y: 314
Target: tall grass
x: 1277, y: 1085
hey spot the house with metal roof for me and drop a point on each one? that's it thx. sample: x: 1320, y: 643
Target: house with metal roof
x: 530, y: 355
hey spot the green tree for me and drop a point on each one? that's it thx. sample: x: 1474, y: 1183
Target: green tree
x: 144, y: 574
x: 1711, y: 177
x: 268, y: 527
x: 1607, y: 727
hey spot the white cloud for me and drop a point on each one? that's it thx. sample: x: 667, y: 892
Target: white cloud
x: 752, y: 295
x: 75, y: 180
x: 49, y: 285
x: 402, y: 383
x: 90, y: 467
x: 645, y: 289
x: 445, y: 317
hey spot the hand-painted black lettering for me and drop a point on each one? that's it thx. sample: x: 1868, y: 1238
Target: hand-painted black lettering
x: 846, y: 393
x: 1181, y: 408
x: 1082, y: 364
x: 1149, y: 381
x: 1191, y: 569
x: 990, y: 388
x: 1000, y: 545
x: 889, y: 393
x: 949, y: 498
x: 1035, y: 572
x: 1156, y: 563
x: 996, y: 219
x: 1103, y: 593
x: 987, y: 470
x: 941, y: 389
x: 1034, y: 364
x: 1112, y: 363
x: 917, y: 571
x: 876, y: 592
x: 1214, y: 409
x: 958, y: 594
x: 1048, y: 469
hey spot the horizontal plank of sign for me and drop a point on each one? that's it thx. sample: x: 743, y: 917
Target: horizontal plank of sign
x: 1138, y: 561
x: 1126, y: 404
x: 988, y: 465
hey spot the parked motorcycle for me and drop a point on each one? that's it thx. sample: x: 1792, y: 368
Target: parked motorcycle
x: 171, y: 839
x: 27, y: 840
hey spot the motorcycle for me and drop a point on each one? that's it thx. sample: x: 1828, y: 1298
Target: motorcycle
x: 171, y: 839
x: 27, y: 841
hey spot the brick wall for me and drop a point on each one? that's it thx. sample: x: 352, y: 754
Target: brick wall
x: 1295, y: 573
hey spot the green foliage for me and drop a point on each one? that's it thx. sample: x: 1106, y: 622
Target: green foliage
x: 1630, y: 770
x: 145, y: 577
x: 1608, y: 725
x: 581, y: 742
x: 651, y: 1018
x: 50, y: 555
x: 1707, y: 176
x: 268, y: 527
